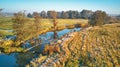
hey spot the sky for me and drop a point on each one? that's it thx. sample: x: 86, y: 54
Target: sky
x: 110, y: 6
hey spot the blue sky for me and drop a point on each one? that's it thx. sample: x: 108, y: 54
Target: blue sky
x: 110, y: 6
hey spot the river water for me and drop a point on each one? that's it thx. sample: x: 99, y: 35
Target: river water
x: 21, y: 59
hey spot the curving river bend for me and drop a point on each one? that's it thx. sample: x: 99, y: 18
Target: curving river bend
x: 21, y: 59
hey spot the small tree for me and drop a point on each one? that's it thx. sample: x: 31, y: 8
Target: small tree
x: 53, y: 14
x: 37, y: 20
x: 37, y: 25
x: 19, y: 21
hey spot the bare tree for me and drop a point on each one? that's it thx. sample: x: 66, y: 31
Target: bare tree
x: 37, y: 19
x: 37, y: 25
x: 53, y: 15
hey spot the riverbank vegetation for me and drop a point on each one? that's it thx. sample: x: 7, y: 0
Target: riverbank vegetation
x: 93, y: 47
x: 28, y: 27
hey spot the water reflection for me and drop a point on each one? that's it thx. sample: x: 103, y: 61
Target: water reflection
x: 21, y: 59
x: 24, y: 58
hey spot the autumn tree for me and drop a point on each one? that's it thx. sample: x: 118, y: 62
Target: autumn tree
x: 37, y: 19
x: 19, y: 21
x: 37, y: 25
x: 98, y: 18
x: 53, y: 15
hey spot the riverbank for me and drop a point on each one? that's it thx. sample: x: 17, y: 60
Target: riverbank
x: 97, y: 46
x: 23, y: 58
x: 58, y: 58
x: 55, y: 60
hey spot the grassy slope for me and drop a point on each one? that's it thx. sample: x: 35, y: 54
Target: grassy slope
x: 99, y: 47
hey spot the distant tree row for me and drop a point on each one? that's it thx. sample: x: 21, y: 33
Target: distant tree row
x: 85, y: 14
x: 96, y: 18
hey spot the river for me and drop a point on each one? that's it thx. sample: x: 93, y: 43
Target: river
x: 21, y: 59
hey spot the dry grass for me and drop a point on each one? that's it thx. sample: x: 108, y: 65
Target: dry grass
x: 98, y: 46
x: 95, y: 47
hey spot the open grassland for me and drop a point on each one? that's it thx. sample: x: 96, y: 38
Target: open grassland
x: 5, y: 23
x: 61, y: 22
x: 94, y: 47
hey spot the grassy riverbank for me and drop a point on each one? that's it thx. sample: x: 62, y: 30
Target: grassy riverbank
x: 95, y: 47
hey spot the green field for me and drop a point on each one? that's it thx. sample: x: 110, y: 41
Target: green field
x: 6, y: 23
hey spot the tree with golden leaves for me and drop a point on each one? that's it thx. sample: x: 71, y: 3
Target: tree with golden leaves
x: 37, y: 25
x: 19, y: 21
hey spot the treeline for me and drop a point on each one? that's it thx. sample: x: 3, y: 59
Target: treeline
x: 98, y: 17
x: 85, y: 14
